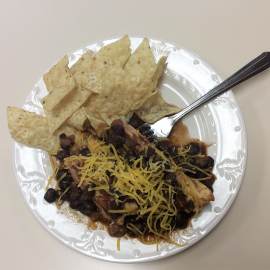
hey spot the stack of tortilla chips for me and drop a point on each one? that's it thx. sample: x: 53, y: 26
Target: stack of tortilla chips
x: 98, y: 88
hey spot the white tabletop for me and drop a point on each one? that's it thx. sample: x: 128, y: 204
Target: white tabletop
x: 226, y: 34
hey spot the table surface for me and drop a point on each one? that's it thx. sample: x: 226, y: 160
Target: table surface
x: 226, y: 34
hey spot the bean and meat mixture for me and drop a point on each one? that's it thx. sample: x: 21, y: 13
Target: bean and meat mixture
x: 137, y: 188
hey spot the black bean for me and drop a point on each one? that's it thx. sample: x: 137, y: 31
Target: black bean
x: 84, y: 152
x: 145, y: 217
x: 75, y: 204
x: 167, y: 164
x: 115, y: 230
x: 147, y: 154
x: 130, y: 219
x: 207, y: 184
x: 74, y: 196
x: 118, y: 130
x: 62, y: 136
x: 200, y: 175
x: 64, y: 197
x: 130, y: 155
x: 62, y: 154
x: 63, y: 184
x: 50, y: 195
x: 145, y: 164
x: 140, y: 225
x: 65, y: 147
x: 173, y: 150
x: 89, y: 205
x: 87, y: 212
x: 135, y: 121
x: 116, y: 206
x: 60, y: 173
x: 190, y: 168
x: 69, y: 178
x: 211, y: 162
x: 115, y: 140
x: 194, y: 148
x: 190, y: 205
x: 173, y: 223
x: 65, y: 142
x: 177, y: 160
x: 203, y: 162
x: 162, y: 145
x: 87, y: 195
x: 90, y: 193
x: 171, y: 177
x: 182, y: 220
x: 108, y: 173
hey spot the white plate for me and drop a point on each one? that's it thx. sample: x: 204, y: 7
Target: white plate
x: 186, y: 78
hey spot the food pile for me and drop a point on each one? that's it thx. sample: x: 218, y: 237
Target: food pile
x: 135, y: 187
x: 104, y: 167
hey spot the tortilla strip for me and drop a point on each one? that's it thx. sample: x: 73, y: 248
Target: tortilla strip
x: 68, y: 131
x: 31, y: 129
x: 117, y: 52
x: 59, y: 82
x: 77, y: 119
x: 159, y: 70
x: 87, y: 72
x: 155, y: 107
x: 66, y: 107
x: 96, y: 122
x: 142, y: 63
x: 109, y: 118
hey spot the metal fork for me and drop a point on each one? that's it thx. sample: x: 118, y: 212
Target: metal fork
x: 163, y: 127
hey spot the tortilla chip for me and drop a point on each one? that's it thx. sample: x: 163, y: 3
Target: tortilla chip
x: 77, y: 119
x: 66, y: 107
x: 119, y: 93
x: 142, y: 63
x: 140, y: 102
x: 68, y: 131
x: 108, y: 118
x: 59, y: 82
x: 31, y: 129
x: 117, y: 52
x: 155, y: 107
x: 87, y: 72
x: 96, y: 122
x: 159, y: 70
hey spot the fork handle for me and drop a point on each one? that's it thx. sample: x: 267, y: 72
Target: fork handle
x: 254, y: 67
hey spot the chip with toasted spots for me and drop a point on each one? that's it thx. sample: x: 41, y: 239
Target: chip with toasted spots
x: 109, y: 118
x: 97, y: 122
x: 160, y: 69
x: 59, y: 82
x: 142, y: 63
x: 31, y: 129
x: 77, y: 119
x: 155, y: 108
x: 116, y: 53
x: 66, y: 107
x: 87, y: 72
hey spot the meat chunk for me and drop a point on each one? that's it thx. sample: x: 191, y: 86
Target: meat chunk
x: 73, y: 165
x: 134, y: 139
x: 102, y: 200
x: 133, y: 207
x: 203, y: 193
